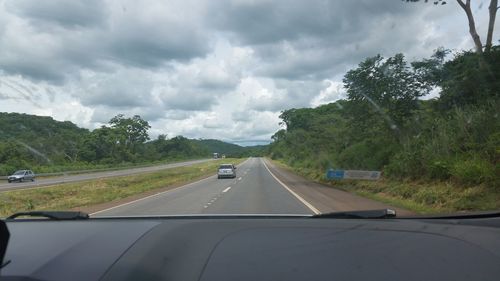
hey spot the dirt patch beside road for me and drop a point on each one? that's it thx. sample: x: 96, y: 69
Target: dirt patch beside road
x: 326, y: 198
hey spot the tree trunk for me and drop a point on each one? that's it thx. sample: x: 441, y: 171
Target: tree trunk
x: 472, y: 25
x: 491, y: 24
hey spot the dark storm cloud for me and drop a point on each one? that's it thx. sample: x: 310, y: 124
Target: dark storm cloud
x: 54, y: 40
x: 127, y: 87
x: 34, y: 70
x: 319, y: 39
x: 291, y: 39
x: 150, y: 44
x: 263, y: 22
x: 70, y: 14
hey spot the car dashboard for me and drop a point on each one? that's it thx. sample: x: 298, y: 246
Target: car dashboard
x: 252, y: 248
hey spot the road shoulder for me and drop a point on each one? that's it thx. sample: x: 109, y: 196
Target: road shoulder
x: 326, y: 198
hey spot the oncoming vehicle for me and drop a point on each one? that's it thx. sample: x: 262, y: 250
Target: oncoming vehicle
x: 22, y: 175
x: 226, y: 171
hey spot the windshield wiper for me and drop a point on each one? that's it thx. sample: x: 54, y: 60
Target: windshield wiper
x: 368, y: 214
x: 53, y: 215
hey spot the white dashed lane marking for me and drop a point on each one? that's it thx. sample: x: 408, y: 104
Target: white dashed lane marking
x: 216, y: 197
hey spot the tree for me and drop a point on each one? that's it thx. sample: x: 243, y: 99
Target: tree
x: 387, y: 88
x: 131, y: 131
x: 470, y: 78
x: 493, y: 8
x: 99, y: 145
x: 431, y: 70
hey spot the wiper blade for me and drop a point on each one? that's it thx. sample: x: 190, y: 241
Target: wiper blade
x: 471, y: 215
x: 53, y: 215
x: 368, y: 214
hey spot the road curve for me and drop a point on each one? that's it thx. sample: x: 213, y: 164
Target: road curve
x: 253, y: 191
x: 97, y: 175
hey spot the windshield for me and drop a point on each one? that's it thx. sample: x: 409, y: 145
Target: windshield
x: 315, y: 106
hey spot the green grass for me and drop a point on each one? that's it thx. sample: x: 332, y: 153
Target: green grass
x: 88, y: 193
x: 83, y: 168
x: 425, y: 197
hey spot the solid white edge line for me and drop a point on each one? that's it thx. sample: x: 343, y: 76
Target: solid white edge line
x: 316, y: 211
x: 157, y: 194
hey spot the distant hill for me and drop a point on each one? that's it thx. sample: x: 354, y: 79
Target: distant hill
x: 28, y: 128
x: 232, y: 150
x: 29, y: 140
x: 221, y: 147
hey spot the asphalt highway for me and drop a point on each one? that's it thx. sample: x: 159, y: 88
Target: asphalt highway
x: 254, y: 191
x: 96, y: 175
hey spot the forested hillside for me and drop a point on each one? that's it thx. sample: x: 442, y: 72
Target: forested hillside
x: 46, y: 145
x: 383, y: 123
x: 220, y: 146
x: 232, y: 150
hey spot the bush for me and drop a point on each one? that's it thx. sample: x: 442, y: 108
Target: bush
x: 405, y: 164
x: 369, y: 154
x: 473, y: 171
x: 439, y: 170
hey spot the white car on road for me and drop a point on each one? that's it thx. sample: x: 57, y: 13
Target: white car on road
x: 226, y: 171
x: 22, y: 175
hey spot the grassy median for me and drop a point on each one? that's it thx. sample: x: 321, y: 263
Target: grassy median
x: 92, y: 192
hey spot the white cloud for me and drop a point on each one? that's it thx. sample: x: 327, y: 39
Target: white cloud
x: 334, y: 91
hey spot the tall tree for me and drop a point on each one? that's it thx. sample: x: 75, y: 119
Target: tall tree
x: 387, y: 88
x: 132, y: 131
x: 466, y: 6
x: 493, y: 8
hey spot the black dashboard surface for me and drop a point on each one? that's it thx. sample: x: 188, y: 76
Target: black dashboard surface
x: 252, y: 249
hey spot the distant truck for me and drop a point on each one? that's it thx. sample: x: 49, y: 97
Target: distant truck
x: 216, y: 155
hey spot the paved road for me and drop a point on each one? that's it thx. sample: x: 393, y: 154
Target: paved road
x: 253, y: 191
x: 81, y: 177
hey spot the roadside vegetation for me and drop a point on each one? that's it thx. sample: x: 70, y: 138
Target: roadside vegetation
x: 436, y: 155
x: 92, y: 192
x: 44, y: 145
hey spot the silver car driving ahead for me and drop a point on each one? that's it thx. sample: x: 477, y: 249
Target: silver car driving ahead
x: 22, y: 175
x: 226, y: 171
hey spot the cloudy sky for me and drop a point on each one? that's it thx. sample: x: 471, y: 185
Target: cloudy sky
x: 205, y: 69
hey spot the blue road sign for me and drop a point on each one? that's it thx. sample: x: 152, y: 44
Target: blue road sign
x: 332, y: 174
